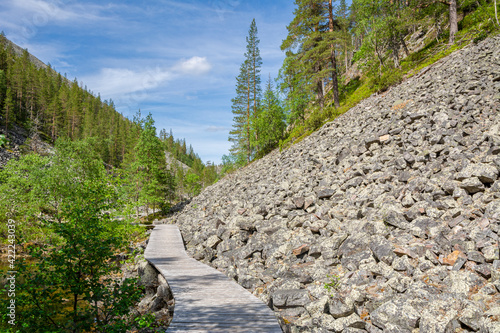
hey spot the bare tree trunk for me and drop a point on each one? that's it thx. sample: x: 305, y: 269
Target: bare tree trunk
x: 453, y: 21
x: 319, y: 88
x: 7, y: 115
x: 378, y: 55
x: 54, y: 123
x: 346, y: 58
x: 403, y: 43
x: 395, y: 57
x: 395, y: 51
x: 496, y: 15
x: 248, y: 117
x: 335, y: 84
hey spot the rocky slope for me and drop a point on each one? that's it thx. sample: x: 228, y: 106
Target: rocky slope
x: 395, y: 206
x: 19, y: 142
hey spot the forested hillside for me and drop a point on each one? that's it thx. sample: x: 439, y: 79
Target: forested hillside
x: 44, y: 105
x: 48, y: 104
x: 339, y: 53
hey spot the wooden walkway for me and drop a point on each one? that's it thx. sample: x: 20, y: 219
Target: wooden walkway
x: 205, y: 299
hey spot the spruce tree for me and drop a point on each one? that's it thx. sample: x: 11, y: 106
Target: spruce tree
x: 153, y: 182
x: 240, y: 134
x: 271, y: 121
x: 255, y: 63
x: 3, y: 87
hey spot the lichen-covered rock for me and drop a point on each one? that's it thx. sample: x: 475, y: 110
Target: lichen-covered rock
x: 148, y: 276
x: 395, y: 313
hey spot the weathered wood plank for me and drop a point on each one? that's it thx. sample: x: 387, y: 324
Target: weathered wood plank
x: 205, y: 299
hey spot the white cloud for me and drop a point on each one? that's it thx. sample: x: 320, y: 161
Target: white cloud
x: 194, y: 66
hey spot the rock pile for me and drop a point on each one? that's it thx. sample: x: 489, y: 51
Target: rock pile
x: 394, y: 207
x: 158, y: 299
x: 16, y: 137
x: 19, y: 142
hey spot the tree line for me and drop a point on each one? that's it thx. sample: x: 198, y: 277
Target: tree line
x: 51, y: 106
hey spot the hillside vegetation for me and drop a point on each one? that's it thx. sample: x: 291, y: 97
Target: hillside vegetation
x: 339, y: 54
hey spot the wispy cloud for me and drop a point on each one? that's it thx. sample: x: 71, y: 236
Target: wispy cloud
x: 120, y: 81
x: 42, y: 11
x: 214, y: 129
x: 25, y: 18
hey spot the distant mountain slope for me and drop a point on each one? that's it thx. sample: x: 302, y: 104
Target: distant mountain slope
x: 395, y: 206
x: 171, y: 160
x: 19, y: 52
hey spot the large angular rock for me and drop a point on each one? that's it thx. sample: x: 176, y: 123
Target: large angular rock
x: 290, y: 298
x: 396, y: 312
x: 470, y: 317
x: 338, y: 308
x: 472, y: 185
x: 439, y: 316
x: 352, y: 321
x: 148, y: 276
x: 486, y: 173
x: 325, y: 194
x: 382, y: 249
x: 213, y: 241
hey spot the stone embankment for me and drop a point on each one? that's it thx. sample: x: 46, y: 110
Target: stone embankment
x: 395, y: 206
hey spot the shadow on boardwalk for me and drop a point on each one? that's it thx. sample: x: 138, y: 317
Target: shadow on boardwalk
x: 205, y: 299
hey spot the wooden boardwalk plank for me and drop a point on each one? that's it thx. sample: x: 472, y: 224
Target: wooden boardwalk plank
x: 205, y: 299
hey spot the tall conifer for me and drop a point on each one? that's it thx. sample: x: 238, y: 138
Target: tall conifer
x: 246, y: 103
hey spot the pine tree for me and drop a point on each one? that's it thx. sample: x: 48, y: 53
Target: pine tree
x: 311, y: 41
x: 246, y: 103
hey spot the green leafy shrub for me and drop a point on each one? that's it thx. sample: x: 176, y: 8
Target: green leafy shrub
x: 71, y: 284
x: 334, y: 283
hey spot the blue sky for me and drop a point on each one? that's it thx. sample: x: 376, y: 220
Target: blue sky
x: 176, y: 59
